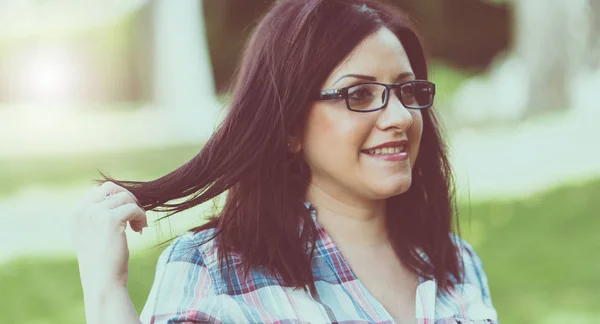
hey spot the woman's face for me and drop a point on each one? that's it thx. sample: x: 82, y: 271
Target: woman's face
x: 336, y: 140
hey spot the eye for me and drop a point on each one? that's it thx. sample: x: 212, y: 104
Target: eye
x: 406, y: 94
x: 415, y: 94
x: 361, y: 92
x: 365, y: 96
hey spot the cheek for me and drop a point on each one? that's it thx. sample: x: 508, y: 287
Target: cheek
x: 332, y: 135
x: 320, y: 134
x: 415, y: 133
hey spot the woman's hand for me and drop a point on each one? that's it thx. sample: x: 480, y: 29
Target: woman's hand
x: 97, y: 227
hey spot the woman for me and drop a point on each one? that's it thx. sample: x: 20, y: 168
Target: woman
x: 339, y: 195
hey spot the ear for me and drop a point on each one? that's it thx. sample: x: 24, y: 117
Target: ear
x: 294, y: 139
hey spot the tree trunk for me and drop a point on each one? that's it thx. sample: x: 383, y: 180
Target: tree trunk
x: 183, y: 81
x: 541, y: 41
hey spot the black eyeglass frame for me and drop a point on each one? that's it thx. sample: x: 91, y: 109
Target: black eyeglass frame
x: 342, y: 93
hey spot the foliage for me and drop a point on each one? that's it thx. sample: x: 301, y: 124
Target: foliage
x: 464, y: 33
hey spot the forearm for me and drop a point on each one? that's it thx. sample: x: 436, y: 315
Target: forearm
x: 112, y: 305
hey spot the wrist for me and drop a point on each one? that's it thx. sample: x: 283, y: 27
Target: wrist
x: 99, y: 301
x: 100, y: 292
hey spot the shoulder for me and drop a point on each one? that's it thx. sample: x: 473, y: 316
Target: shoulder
x: 472, y: 267
x: 192, y: 247
x: 465, y: 251
x: 188, y: 256
x: 470, y: 262
x: 195, y: 252
x: 183, y: 281
x: 191, y: 243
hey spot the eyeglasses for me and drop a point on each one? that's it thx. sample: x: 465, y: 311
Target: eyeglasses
x: 372, y: 96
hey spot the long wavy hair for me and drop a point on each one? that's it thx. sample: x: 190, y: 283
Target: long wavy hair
x: 289, y: 56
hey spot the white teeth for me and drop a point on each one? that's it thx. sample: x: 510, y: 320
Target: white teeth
x: 387, y: 150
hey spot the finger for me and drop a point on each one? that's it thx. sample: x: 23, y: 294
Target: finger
x: 131, y: 213
x: 106, y: 188
x: 91, y: 196
x: 117, y: 200
x: 112, y: 188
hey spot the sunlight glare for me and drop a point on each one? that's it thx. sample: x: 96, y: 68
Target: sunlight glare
x: 48, y: 75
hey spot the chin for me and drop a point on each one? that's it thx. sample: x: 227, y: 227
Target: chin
x: 388, y: 190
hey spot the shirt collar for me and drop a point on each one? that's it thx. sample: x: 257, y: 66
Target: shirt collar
x: 313, y: 214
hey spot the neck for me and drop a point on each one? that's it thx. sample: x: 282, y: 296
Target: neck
x: 351, y: 222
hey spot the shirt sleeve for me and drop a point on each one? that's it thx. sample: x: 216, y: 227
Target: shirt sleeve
x: 182, y: 291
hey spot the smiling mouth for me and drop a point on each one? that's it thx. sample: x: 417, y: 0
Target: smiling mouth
x: 386, y: 150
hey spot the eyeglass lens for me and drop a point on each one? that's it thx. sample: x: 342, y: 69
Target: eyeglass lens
x: 373, y: 96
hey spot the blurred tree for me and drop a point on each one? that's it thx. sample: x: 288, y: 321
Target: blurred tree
x: 464, y: 33
x: 555, y: 40
x: 183, y: 84
x: 541, y: 41
x: 553, y: 65
x: 142, y: 44
x: 594, y: 56
x: 228, y: 26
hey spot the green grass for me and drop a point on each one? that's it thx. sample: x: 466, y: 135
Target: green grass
x: 69, y: 169
x: 48, y: 291
x: 540, y: 255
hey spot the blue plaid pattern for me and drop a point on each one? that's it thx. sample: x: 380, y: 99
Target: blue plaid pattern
x: 191, y: 287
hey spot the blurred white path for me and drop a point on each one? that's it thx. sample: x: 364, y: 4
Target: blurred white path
x: 528, y: 158
x: 33, y: 223
x: 33, y: 131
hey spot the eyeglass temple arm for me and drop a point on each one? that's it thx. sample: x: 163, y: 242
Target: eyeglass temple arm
x: 331, y: 94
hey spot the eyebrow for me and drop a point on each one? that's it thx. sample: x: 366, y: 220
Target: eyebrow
x: 372, y: 78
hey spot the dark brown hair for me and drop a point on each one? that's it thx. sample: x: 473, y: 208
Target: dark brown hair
x: 288, y: 58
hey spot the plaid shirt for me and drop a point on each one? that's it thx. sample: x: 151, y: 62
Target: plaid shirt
x: 190, y: 287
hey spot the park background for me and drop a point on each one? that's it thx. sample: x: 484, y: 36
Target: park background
x: 134, y: 87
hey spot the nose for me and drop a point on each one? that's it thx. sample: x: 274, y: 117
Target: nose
x: 395, y: 115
